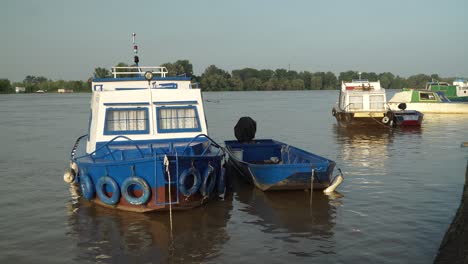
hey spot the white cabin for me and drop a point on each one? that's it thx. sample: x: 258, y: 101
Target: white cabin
x: 20, y: 89
x: 362, y: 96
x: 160, y: 109
x: 462, y: 87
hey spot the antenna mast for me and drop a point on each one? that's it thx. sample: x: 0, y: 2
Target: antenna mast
x: 135, y: 50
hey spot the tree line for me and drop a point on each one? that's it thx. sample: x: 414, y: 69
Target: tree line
x: 246, y: 79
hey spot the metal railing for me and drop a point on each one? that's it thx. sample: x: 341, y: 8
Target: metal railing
x: 135, y: 71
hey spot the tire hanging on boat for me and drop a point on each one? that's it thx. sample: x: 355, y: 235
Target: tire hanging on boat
x: 69, y: 176
x: 115, y: 190
x: 209, y: 181
x: 140, y: 183
x: 385, y: 120
x: 184, y: 176
x: 87, y: 187
x: 347, y: 117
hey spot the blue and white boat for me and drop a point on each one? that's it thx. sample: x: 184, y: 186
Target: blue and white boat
x: 273, y: 165
x: 147, y: 147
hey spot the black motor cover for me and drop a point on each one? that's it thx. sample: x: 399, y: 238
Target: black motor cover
x: 245, y: 129
x: 402, y: 106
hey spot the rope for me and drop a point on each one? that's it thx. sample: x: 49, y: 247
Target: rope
x: 380, y: 123
x: 312, y: 176
x: 166, y: 164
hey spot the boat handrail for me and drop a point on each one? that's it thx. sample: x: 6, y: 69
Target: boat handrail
x: 201, y: 135
x: 75, y: 147
x: 139, y: 70
x: 109, y: 150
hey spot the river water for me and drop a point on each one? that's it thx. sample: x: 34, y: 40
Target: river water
x: 401, y: 190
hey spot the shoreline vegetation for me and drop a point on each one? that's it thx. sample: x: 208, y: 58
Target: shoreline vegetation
x: 246, y: 79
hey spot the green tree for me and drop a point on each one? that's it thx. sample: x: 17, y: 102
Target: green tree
x: 252, y: 84
x: 347, y: 76
x: 32, y: 83
x: 417, y: 81
x: 185, y: 67
x: 246, y: 73
x: 297, y: 84
x: 307, y: 78
x: 215, y: 79
x: 5, y: 86
x: 316, y: 82
x: 214, y: 82
x: 268, y: 85
x: 265, y: 75
x: 386, y: 79
x: 371, y: 76
x: 281, y: 74
x: 398, y: 83
x: 235, y: 84
x: 329, y: 81
x: 101, y: 73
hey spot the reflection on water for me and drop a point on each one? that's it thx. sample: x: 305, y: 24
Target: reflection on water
x: 292, y: 218
x: 368, y: 149
x: 361, y: 147
x: 106, y: 235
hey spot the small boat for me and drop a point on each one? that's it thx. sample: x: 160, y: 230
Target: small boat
x: 272, y: 165
x: 40, y: 91
x: 147, y: 147
x: 405, y: 118
x: 363, y: 104
x: 426, y: 101
x: 457, y: 92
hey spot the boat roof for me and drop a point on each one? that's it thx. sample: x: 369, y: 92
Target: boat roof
x: 402, y: 97
x: 361, y: 85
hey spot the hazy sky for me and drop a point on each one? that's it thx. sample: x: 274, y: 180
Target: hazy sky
x: 64, y: 39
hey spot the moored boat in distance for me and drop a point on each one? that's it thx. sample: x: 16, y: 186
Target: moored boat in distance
x: 147, y: 147
x: 427, y: 102
x: 364, y: 104
x: 273, y: 165
x: 457, y: 92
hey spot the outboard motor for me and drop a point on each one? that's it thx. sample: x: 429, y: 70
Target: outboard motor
x: 245, y: 129
x: 402, y: 106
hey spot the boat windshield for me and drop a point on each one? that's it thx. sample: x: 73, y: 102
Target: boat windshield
x: 443, y: 98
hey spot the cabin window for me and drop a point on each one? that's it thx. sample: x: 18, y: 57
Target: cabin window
x: 126, y: 121
x: 376, y: 101
x: 178, y: 119
x: 355, y: 102
x: 427, y: 96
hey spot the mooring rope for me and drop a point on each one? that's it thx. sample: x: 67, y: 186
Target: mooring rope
x: 312, y: 176
x: 166, y: 164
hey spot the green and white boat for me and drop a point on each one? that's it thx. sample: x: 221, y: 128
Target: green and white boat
x: 427, y: 102
x: 457, y: 92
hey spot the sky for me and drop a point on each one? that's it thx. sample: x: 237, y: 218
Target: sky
x: 65, y: 39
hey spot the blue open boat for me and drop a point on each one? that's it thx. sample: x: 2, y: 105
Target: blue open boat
x: 147, y: 147
x: 273, y: 165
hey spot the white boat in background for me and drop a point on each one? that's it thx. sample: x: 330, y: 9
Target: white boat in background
x: 364, y: 104
x: 427, y: 102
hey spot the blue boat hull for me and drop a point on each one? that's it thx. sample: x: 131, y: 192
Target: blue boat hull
x: 273, y: 165
x: 166, y: 168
